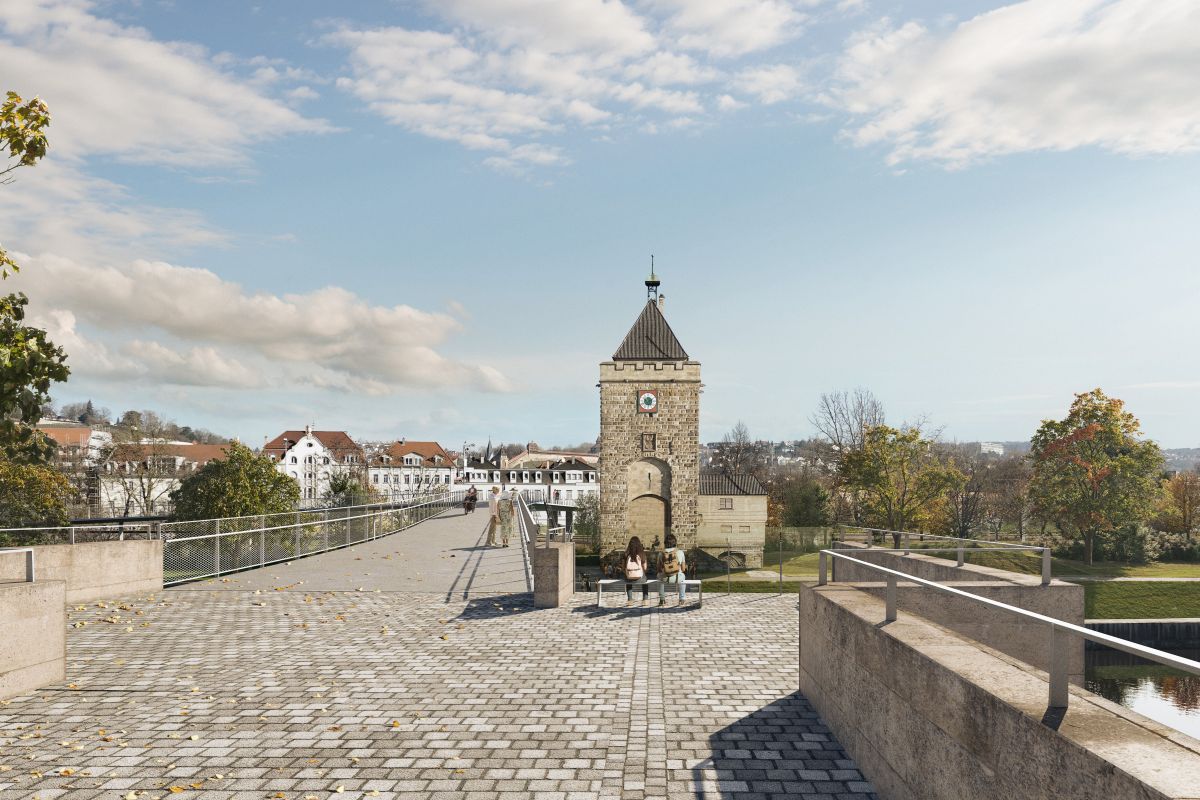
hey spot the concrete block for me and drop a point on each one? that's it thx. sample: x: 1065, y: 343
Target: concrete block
x: 94, y: 570
x: 553, y: 582
x: 33, y: 636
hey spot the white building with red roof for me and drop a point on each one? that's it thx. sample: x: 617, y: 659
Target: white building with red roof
x: 407, y: 468
x: 311, y: 458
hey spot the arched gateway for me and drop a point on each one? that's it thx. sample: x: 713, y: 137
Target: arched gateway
x: 649, y: 434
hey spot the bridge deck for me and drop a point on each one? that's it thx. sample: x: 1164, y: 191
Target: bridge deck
x: 272, y: 688
x: 444, y: 555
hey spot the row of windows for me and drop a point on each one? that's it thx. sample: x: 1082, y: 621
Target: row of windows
x: 322, y: 460
x: 523, y: 477
x: 408, y: 478
x: 728, y: 529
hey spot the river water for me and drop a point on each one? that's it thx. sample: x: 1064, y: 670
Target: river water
x: 1160, y: 693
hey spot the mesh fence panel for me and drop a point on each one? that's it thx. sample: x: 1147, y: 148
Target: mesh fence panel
x: 213, y: 547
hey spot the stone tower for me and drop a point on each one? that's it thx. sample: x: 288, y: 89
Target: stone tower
x: 649, y: 435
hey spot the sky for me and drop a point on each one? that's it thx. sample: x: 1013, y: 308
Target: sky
x: 433, y: 219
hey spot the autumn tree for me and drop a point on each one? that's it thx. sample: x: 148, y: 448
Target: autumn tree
x: 1181, y: 495
x: 29, y: 361
x: 241, y: 484
x: 23, y: 134
x: 32, y: 495
x: 898, y: 477
x: 1092, y: 473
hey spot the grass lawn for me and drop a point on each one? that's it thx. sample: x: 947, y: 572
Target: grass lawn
x: 717, y: 585
x: 793, y: 563
x: 1130, y: 600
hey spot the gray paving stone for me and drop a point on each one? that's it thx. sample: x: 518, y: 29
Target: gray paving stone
x: 292, y: 681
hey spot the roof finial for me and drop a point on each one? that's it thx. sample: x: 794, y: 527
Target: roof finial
x: 653, y: 283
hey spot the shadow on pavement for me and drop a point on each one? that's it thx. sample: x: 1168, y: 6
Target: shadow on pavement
x: 783, y: 749
x: 500, y: 605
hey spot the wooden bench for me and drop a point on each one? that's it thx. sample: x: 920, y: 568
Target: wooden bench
x: 600, y: 584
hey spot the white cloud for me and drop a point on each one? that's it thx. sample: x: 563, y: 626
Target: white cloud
x: 728, y: 28
x: 508, y: 74
x: 159, y: 322
x: 770, y: 84
x: 1123, y: 75
x: 605, y: 27
x: 115, y: 91
x: 728, y: 102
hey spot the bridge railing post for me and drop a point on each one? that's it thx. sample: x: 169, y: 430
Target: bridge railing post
x: 890, y: 599
x: 1059, y: 659
x: 1046, y: 566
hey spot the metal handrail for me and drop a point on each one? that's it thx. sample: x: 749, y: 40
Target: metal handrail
x: 382, y: 505
x: 379, y: 509
x: 1002, y: 545
x: 524, y: 522
x: 29, y: 560
x: 175, y: 547
x: 1058, y: 628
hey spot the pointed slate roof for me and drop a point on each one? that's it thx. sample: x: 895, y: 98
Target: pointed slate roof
x: 650, y: 339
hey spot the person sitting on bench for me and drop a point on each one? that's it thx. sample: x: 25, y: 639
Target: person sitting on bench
x: 672, y: 564
x: 635, y: 569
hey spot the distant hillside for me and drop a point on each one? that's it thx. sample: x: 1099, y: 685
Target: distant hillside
x: 1182, y: 458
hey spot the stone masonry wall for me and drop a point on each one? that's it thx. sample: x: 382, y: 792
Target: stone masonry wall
x: 677, y: 429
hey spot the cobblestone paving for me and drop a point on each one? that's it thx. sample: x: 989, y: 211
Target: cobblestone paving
x: 292, y: 693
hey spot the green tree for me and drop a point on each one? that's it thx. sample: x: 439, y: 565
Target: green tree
x: 898, y: 477
x: 348, y: 489
x: 803, y: 502
x: 29, y: 362
x: 241, y: 484
x: 23, y: 134
x: 1092, y: 473
x: 32, y: 495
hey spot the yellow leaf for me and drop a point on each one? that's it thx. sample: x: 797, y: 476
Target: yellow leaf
x: 340, y: 789
x: 176, y: 789
x: 66, y: 771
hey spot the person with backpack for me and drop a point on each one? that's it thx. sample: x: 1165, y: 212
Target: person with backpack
x: 672, y: 566
x: 635, y: 568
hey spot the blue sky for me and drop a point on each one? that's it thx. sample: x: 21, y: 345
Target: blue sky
x: 433, y: 219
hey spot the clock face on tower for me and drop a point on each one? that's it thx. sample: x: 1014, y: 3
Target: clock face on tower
x: 647, y: 401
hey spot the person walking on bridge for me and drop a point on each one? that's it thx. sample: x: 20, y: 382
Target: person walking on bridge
x: 493, y: 516
x: 506, y: 516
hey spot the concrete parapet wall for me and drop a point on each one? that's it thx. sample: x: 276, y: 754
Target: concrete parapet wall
x: 927, y: 567
x: 929, y: 715
x: 94, y: 570
x: 33, y: 636
x: 993, y: 627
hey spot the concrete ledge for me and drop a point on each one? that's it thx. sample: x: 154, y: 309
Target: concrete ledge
x: 94, y: 570
x: 920, y: 566
x: 929, y: 714
x: 33, y: 636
